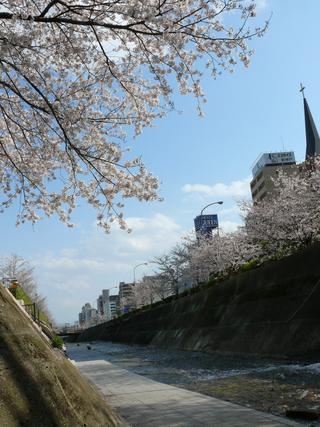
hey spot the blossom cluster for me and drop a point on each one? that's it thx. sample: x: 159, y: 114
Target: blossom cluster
x: 77, y: 76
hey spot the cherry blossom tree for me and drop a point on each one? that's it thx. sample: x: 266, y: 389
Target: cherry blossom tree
x: 149, y: 290
x: 170, y: 270
x: 219, y: 255
x: 142, y: 294
x: 16, y: 267
x: 195, y: 261
x: 79, y: 76
x: 289, y: 219
x: 160, y: 286
x: 155, y: 288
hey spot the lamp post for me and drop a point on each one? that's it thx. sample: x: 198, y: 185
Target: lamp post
x: 210, y: 204
x: 134, y: 271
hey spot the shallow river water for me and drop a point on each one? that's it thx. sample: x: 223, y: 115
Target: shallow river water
x: 177, y: 367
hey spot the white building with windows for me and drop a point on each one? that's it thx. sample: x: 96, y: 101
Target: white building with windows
x: 103, y: 305
x: 266, y: 169
x: 87, y: 316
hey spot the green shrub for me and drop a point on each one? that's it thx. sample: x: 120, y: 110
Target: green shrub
x: 57, y: 342
x: 19, y: 293
x: 282, y: 252
x: 250, y: 264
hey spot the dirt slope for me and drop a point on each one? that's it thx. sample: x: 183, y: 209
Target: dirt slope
x: 38, y: 385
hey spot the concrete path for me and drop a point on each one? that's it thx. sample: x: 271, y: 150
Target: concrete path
x: 147, y: 403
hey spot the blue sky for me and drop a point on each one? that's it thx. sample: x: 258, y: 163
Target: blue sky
x: 198, y: 161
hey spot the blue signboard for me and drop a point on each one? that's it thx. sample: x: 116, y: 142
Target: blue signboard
x: 204, y: 224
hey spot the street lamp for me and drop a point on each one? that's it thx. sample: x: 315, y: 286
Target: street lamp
x: 134, y: 271
x: 210, y: 204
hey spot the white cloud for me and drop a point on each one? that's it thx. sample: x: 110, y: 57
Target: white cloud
x: 71, y: 261
x: 73, y: 276
x: 149, y: 237
x: 229, y: 226
x: 261, y: 4
x: 234, y: 189
x: 151, y: 234
x: 229, y: 211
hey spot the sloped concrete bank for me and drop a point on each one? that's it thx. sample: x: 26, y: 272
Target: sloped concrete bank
x: 272, y: 311
x: 38, y: 385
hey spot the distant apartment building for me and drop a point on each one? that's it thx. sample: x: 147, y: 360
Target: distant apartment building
x: 103, y: 305
x: 87, y: 316
x: 108, y: 307
x: 114, y: 305
x: 126, y: 297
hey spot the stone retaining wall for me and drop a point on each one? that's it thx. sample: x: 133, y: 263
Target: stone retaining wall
x: 273, y: 311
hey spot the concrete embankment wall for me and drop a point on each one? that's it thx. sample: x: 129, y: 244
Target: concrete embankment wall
x: 273, y: 311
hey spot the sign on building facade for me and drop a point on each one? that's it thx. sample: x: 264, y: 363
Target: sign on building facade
x: 274, y: 159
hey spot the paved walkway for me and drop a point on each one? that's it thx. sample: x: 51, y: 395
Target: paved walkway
x: 147, y: 403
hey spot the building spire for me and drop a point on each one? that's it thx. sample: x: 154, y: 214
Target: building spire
x: 312, y: 136
x: 302, y: 88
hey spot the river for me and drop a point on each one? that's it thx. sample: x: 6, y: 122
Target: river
x: 177, y: 367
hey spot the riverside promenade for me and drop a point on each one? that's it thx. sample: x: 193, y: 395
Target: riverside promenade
x: 147, y: 403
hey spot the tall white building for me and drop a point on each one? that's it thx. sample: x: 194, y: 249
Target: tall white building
x: 114, y: 305
x: 126, y: 296
x: 266, y: 169
x: 87, y: 316
x: 103, y: 305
